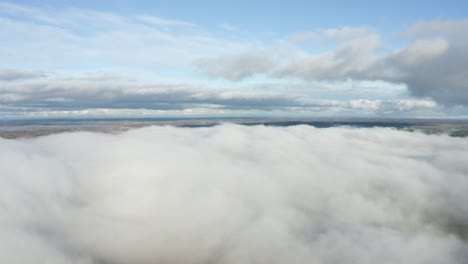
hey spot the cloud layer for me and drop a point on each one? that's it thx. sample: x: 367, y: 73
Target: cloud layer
x: 235, y: 194
x: 12, y: 75
x: 65, y: 96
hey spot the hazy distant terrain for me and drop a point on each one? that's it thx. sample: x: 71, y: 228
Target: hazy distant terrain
x: 41, y: 127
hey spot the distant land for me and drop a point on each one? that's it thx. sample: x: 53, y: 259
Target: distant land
x: 28, y: 128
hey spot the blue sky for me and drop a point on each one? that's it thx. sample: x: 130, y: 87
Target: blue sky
x: 279, y: 16
x: 294, y: 16
x: 248, y: 58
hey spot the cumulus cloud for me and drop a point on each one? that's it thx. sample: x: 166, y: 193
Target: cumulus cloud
x: 235, y: 194
x: 421, y: 51
x: 351, y: 59
x: 433, y: 64
x: 439, y: 68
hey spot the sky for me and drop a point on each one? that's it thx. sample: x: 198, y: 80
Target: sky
x: 244, y: 58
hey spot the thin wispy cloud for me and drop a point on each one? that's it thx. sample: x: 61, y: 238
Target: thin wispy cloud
x: 164, y: 22
x: 228, y: 27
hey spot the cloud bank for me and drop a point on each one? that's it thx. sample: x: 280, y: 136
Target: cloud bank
x: 15, y: 75
x: 235, y: 194
x: 75, y: 95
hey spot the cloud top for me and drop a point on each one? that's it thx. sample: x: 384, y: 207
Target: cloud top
x: 235, y: 194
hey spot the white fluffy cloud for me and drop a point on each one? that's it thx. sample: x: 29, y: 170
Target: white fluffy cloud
x: 391, y: 105
x: 235, y: 194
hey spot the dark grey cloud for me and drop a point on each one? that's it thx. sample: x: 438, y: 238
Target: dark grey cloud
x: 16, y: 75
x: 438, y: 64
x: 71, y: 95
x: 82, y: 95
x: 235, y: 194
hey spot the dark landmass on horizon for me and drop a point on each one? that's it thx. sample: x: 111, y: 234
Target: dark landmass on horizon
x: 28, y: 128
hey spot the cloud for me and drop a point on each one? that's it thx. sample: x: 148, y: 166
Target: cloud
x: 84, y: 94
x: 420, y: 52
x: 101, y: 94
x: 354, y: 54
x: 99, y: 40
x: 237, y: 67
x: 391, y: 106
x: 440, y: 68
x: 235, y: 194
x: 164, y: 22
x: 16, y: 75
x: 228, y: 27
x: 433, y: 64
